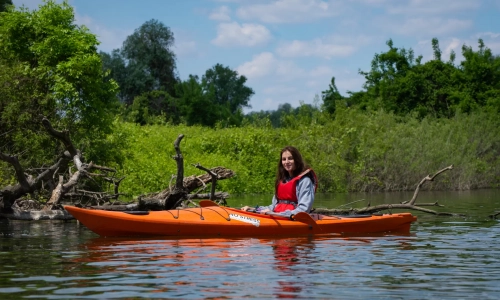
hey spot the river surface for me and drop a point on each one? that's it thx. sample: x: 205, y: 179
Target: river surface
x: 442, y: 258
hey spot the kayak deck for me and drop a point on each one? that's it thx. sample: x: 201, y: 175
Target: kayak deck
x: 224, y: 221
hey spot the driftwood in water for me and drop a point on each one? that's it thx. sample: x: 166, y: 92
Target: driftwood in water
x: 408, y: 205
x: 28, y: 184
x: 82, y: 170
x: 13, y: 206
x: 181, y: 194
x: 155, y: 204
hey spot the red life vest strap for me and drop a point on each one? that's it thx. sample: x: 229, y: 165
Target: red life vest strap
x: 314, y: 179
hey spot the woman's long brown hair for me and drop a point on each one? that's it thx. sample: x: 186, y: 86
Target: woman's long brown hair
x: 300, y: 166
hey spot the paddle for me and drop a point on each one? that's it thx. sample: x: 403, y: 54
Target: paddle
x: 305, y: 218
x: 301, y: 216
x: 207, y: 203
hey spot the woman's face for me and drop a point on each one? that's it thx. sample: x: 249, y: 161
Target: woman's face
x: 288, y: 162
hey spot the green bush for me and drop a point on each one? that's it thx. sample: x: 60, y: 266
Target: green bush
x: 356, y: 151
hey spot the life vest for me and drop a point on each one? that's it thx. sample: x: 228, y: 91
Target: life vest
x: 287, y: 191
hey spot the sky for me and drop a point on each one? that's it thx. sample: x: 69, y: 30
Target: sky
x: 289, y: 50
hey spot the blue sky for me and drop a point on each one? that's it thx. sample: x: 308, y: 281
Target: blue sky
x: 290, y: 49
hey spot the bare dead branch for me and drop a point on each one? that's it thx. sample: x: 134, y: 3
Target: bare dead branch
x: 213, y: 176
x: 494, y: 216
x: 427, y: 178
x: 180, y: 163
x: 62, y: 136
x: 20, y: 176
x: 218, y: 195
x: 380, y: 208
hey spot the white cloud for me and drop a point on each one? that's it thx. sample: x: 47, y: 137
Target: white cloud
x: 287, y: 70
x: 321, y: 71
x: 266, y: 64
x: 315, y: 47
x: 290, y: 11
x: 185, y: 44
x: 429, y: 26
x: 233, y: 34
x: 109, y: 38
x: 279, y: 89
x: 221, y: 14
x: 352, y: 83
x: 432, y: 7
x: 185, y: 47
x: 491, y: 35
x: 454, y: 45
x: 261, y: 65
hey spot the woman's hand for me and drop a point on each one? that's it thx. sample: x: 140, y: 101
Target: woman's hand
x: 246, y: 208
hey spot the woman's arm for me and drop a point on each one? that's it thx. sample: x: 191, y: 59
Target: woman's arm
x: 270, y: 207
x: 263, y: 208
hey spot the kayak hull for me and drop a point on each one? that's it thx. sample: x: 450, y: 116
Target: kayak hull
x: 223, y: 221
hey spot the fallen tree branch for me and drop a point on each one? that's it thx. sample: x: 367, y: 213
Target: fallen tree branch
x: 494, y: 216
x: 427, y: 178
x: 28, y: 184
x: 379, y: 208
x: 213, y: 176
x: 409, y: 205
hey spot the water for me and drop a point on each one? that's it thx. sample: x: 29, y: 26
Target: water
x: 442, y: 258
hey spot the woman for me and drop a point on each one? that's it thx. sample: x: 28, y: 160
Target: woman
x: 295, y: 186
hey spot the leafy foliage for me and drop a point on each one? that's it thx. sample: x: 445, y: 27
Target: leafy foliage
x: 356, y: 151
x: 284, y: 116
x: 227, y: 88
x: 4, y: 4
x: 49, y: 66
x: 410, y: 119
x: 196, y: 106
x: 331, y: 97
x: 399, y: 83
x: 145, y: 70
x: 151, y: 61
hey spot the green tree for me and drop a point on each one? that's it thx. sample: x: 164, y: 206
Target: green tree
x: 116, y: 69
x: 381, y: 81
x: 155, y: 107
x: 331, y: 97
x: 49, y: 66
x: 197, y: 107
x: 227, y: 88
x: 151, y: 61
x: 480, y: 78
x: 4, y: 4
x: 398, y: 83
x: 277, y: 118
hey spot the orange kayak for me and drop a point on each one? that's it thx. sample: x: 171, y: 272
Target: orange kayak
x: 224, y: 221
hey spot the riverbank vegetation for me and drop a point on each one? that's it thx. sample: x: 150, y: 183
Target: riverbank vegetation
x: 126, y: 108
x: 356, y: 151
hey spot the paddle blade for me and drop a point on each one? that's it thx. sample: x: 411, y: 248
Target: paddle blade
x: 207, y: 203
x: 305, y: 218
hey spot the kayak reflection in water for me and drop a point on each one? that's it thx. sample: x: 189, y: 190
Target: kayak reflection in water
x: 295, y: 186
x: 292, y: 257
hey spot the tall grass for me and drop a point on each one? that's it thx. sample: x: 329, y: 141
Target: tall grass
x: 356, y: 151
